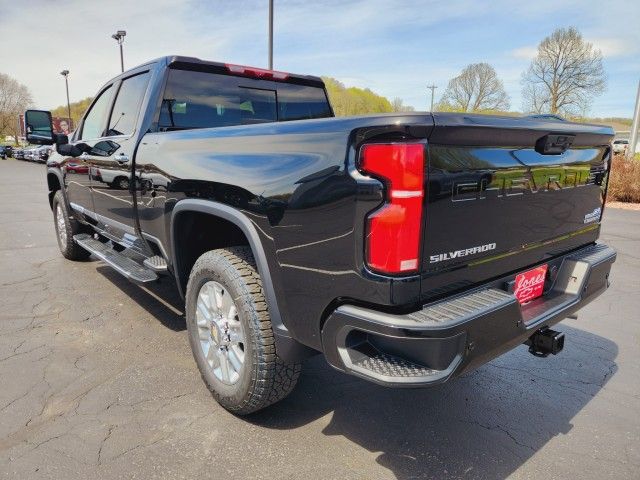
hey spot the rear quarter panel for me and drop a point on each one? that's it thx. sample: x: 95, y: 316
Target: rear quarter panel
x: 296, y: 182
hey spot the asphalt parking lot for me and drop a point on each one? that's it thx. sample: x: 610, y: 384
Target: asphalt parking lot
x: 97, y: 381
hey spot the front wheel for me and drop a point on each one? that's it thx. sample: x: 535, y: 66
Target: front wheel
x: 121, y: 183
x: 231, y: 335
x: 66, y: 228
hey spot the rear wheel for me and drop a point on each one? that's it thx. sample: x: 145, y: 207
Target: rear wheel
x: 66, y: 228
x: 231, y: 335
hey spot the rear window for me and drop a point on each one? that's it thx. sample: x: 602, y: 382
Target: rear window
x: 201, y: 100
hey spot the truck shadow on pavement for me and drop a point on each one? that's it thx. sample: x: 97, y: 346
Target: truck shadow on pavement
x: 485, y: 424
x: 160, y: 300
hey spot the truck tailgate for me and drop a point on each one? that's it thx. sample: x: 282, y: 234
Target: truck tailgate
x: 504, y: 193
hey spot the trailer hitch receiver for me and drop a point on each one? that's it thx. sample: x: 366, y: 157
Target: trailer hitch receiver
x: 544, y: 342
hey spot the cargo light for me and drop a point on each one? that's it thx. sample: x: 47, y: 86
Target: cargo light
x: 256, y: 72
x: 393, y: 230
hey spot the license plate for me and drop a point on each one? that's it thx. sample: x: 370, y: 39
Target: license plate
x: 530, y: 284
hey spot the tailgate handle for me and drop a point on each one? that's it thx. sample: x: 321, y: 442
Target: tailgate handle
x: 554, y: 144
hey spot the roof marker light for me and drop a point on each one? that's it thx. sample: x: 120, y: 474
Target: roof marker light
x: 256, y: 72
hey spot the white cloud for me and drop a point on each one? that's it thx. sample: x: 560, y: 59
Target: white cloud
x: 614, y: 47
x: 609, y: 46
x: 524, y: 53
x: 77, y: 36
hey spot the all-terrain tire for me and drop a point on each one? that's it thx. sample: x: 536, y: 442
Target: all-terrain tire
x: 264, y: 378
x: 66, y: 227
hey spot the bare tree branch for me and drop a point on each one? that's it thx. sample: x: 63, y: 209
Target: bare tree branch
x: 565, y: 76
x: 477, y: 88
x: 15, y: 98
x: 398, y: 106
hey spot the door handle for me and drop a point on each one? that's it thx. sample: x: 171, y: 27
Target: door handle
x: 122, y: 158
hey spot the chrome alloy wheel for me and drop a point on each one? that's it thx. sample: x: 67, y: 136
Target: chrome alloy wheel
x: 220, y: 332
x: 61, y: 225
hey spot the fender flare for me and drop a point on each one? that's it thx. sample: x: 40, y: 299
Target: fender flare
x: 288, y: 348
x: 63, y: 188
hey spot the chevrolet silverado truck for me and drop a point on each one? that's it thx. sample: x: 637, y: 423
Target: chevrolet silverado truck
x: 407, y: 248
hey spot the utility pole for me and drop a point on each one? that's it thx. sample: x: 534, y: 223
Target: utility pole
x: 633, y: 139
x: 65, y: 73
x: 119, y: 37
x: 432, y: 88
x: 270, y: 34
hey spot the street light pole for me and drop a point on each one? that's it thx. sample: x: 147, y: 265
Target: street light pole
x: 65, y: 74
x: 432, y: 88
x: 633, y: 139
x: 119, y: 37
x: 270, y: 34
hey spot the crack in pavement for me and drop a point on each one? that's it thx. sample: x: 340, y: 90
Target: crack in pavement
x: 104, y: 440
x: 502, y: 429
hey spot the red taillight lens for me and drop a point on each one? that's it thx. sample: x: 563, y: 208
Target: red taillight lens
x: 256, y: 72
x: 393, y: 231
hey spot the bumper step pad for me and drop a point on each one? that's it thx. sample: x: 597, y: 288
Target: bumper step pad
x: 387, y: 365
x: 463, y: 308
x: 120, y: 262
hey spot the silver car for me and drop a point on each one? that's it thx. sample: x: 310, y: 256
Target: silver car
x: 620, y: 145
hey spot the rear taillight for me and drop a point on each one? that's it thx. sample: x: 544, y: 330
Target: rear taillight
x: 393, y: 230
x: 256, y: 72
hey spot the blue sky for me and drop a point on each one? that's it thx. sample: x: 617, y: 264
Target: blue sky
x: 396, y: 48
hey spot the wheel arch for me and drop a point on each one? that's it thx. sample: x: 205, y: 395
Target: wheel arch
x: 55, y: 182
x: 288, y: 348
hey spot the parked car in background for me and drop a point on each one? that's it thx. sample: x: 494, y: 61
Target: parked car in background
x: 18, y: 153
x: 8, y: 149
x: 3, y: 152
x: 73, y: 167
x: 43, y: 153
x: 620, y: 145
x: 34, y: 155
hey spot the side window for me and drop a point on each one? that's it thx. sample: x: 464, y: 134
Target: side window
x: 127, y: 105
x: 93, y: 126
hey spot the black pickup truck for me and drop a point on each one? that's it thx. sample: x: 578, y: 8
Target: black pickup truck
x: 407, y: 248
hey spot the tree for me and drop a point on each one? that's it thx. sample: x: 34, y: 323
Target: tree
x: 353, y: 100
x: 15, y: 98
x: 398, y: 106
x: 477, y: 88
x: 565, y: 76
x: 77, y: 110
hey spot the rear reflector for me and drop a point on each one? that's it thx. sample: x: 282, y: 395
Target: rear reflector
x: 256, y: 72
x: 393, y: 231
